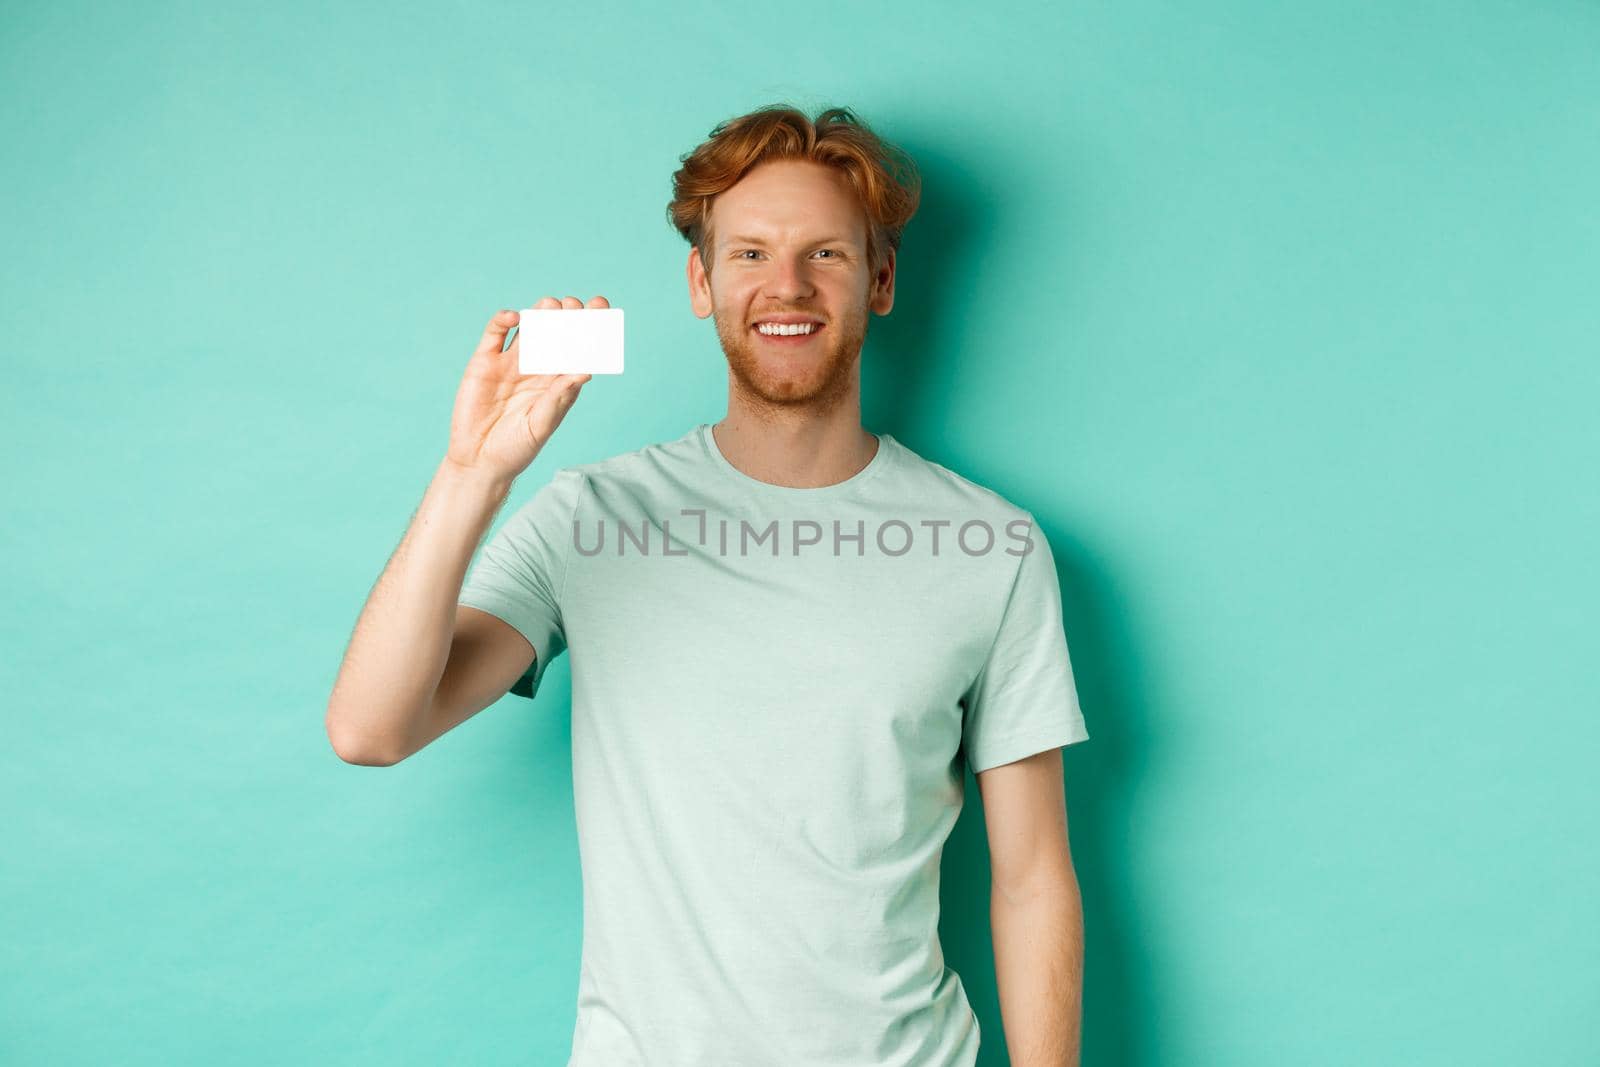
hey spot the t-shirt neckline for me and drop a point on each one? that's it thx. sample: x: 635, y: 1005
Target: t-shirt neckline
x: 879, y: 460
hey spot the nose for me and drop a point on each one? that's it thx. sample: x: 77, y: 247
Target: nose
x: 789, y: 281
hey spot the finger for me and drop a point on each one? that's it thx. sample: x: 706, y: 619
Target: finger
x: 599, y: 302
x: 548, y: 302
x: 538, y: 384
x: 573, y: 386
x: 572, y: 303
x: 494, y: 335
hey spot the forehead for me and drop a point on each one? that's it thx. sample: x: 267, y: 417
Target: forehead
x: 788, y: 198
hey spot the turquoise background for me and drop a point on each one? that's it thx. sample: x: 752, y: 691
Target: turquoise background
x: 1281, y: 318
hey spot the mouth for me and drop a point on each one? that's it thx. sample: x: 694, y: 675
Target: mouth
x: 787, y: 339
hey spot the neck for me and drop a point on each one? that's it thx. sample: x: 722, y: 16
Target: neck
x: 799, y: 449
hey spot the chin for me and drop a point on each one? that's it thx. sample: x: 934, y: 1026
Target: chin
x: 786, y: 383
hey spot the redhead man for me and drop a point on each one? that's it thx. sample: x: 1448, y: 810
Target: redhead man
x: 788, y: 638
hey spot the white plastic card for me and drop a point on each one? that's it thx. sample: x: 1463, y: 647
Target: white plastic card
x: 570, y: 341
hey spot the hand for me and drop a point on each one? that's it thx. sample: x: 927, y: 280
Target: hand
x: 502, y: 417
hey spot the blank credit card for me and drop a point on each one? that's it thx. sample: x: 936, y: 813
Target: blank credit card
x: 570, y: 341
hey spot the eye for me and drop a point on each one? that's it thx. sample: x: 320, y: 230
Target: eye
x: 750, y: 251
x: 830, y: 251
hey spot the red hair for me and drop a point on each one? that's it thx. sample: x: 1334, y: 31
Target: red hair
x: 884, y: 177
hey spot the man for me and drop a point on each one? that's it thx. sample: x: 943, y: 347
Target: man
x: 788, y: 636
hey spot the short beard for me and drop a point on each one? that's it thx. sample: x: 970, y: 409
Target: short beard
x: 820, y: 386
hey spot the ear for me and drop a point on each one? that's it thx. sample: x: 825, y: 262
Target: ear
x: 699, y: 286
x: 881, y: 295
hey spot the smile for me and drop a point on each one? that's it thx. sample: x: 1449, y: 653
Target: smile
x: 795, y: 334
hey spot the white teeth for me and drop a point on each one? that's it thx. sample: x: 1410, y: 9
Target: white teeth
x: 775, y: 329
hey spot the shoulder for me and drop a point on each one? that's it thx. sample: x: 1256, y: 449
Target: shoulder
x: 643, y: 466
x: 948, y: 490
x: 975, y: 512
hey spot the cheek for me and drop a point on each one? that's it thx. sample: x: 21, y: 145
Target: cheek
x: 739, y: 294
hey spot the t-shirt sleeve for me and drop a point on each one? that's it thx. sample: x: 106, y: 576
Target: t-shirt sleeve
x: 1024, y: 699
x: 520, y: 572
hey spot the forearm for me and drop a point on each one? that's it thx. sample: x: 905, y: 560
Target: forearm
x: 401, y: 641
x: 1038, y: 954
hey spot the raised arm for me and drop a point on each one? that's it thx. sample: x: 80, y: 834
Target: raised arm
x: 417, y: 663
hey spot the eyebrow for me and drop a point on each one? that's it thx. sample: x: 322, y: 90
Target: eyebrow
x: 819, y: 241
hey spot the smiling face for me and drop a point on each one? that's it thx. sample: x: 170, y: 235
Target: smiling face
x: 789, y: 246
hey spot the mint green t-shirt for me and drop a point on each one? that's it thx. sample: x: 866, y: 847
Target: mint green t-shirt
x: 773, y: 693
